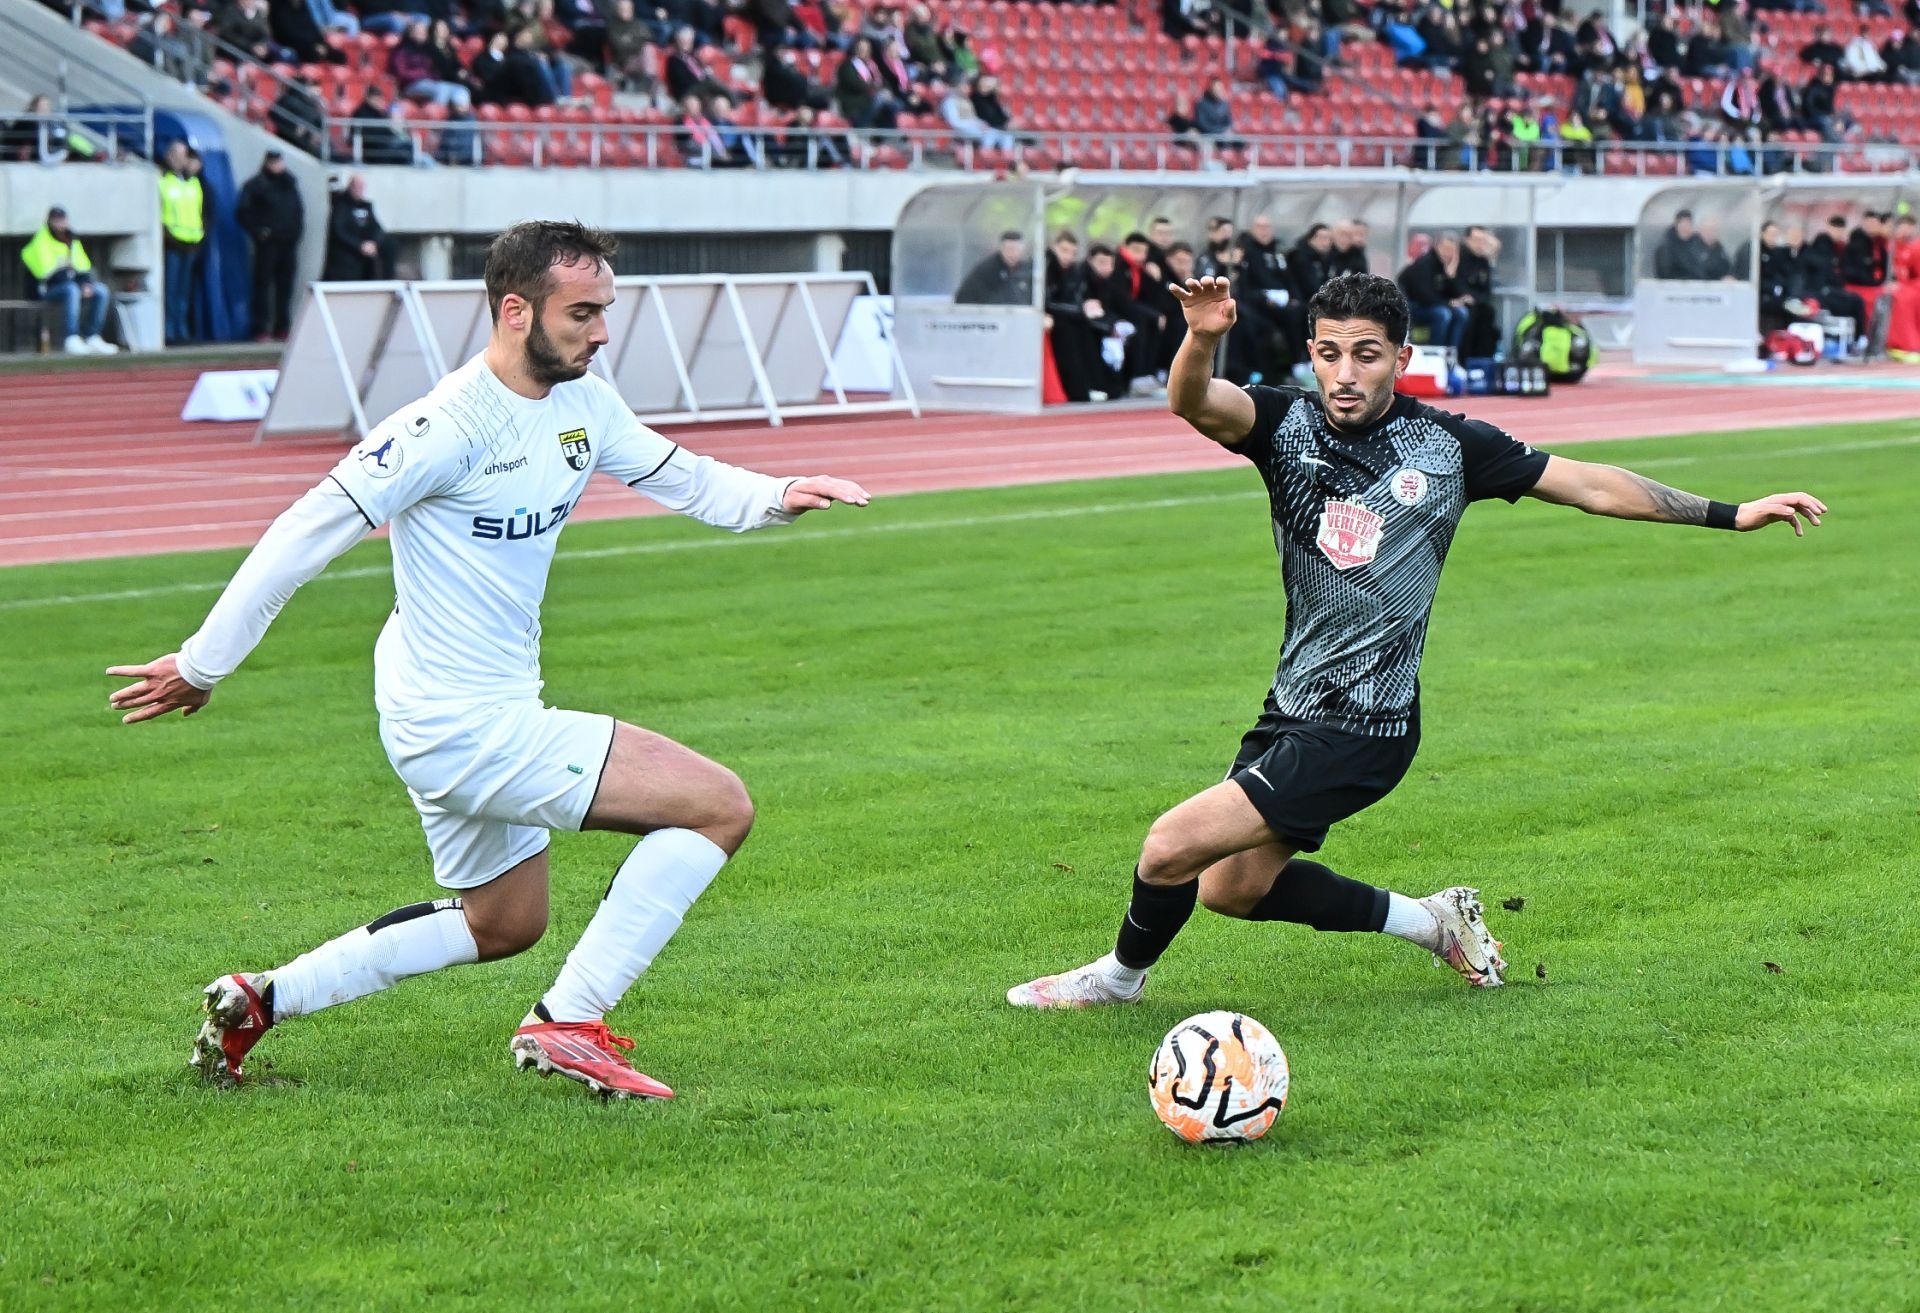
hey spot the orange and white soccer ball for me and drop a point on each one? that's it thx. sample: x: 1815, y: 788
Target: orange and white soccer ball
x: 1218, y: 1078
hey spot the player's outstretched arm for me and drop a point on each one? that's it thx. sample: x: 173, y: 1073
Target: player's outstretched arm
x: 1623, y: 495
x: 295, y: 548
x: 1214, y: 407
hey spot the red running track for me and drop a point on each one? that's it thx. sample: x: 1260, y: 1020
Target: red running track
x: 98, y: 464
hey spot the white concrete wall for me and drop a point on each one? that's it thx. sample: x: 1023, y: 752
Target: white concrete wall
x: 114, y: 207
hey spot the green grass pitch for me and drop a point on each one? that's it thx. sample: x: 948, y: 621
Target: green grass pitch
x: 1691, y: 753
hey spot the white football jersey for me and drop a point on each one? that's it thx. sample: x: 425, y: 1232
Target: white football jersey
x: 477, y: 482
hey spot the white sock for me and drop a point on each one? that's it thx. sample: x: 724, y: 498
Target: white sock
x: 644, y: 905
x: 1411, y: 920
x: 1124, y: 979
x: 409, y: 941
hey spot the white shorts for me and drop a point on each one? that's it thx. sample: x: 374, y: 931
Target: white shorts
x: 490, y: 779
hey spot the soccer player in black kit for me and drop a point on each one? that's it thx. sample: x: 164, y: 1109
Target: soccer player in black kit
x: 1365, y: 489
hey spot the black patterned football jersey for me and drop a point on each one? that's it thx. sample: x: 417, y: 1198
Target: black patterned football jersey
x: 1362, y: 523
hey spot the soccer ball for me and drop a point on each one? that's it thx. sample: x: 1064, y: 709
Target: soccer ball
x: 1218, y: 1078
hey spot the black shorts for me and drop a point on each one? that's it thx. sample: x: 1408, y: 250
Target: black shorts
x: 1302, y: 777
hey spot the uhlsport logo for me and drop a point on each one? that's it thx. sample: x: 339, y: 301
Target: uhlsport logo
x: 1349, y: 534
x: 382, y: 459
x: 1409, y: 486
x: 575, y: 447
x: 521, y: 525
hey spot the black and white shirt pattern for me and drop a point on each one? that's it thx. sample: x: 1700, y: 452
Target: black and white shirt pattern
x: 1362, y: 524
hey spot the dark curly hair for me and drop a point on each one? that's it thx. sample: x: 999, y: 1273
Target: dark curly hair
x: 1360, y: 296
x: 521, y: 259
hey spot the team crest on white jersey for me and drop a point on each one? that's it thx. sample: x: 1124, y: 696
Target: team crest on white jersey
x: 1349, y: 534
x: 575, y: 447
x: 380, y: 457
x: 1409, y: 486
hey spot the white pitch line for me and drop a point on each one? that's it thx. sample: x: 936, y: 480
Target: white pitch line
x: 1912, y: 439
x: 690, y: 544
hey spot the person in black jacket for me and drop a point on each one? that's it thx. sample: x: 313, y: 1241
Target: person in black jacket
x: 1863, y: 262
x: 373, y: 130
x: 786, y: 87
x: 1076, y: 322
x: 1823, y: 278
x: 1434, y: 298
x: 1269, y: 295
x: 358, y: 248
x: 1111, y: 284
x: 1003, y: 278
x: 1349, y: 249
x: 297, y: 117
x: 272, y: 212
x: 1310, y: 262
x: 1477, y: 255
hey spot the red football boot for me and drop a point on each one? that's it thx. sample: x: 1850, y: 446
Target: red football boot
x: 586, y: 1051
x: 236, y: 1019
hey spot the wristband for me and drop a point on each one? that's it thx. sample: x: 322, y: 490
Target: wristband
x: 1722, y: 515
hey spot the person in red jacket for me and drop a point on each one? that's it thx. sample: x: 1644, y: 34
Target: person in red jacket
x: 1903, y: 329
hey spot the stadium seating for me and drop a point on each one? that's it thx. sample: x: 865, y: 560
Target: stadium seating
x: 1065, y: 69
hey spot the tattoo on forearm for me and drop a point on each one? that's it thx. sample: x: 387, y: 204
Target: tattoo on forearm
x: 1670, y: 505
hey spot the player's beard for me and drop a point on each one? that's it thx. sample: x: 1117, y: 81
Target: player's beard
x: 545, y: 362
x: 1372, y: 411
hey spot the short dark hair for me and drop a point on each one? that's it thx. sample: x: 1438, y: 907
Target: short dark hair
x: 1013, y: 235
x: 1678, y: 215
x: 1131, y: 238
x: 1836, y: 221
x: 1065, y: 235
x: 1180, y: 248
x: 1360, y: 296
x: 1099, y: 248
x: 1160, y: 218
x: 520, y: 261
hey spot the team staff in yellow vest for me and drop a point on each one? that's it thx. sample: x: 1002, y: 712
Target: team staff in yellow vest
x: 63, y: 271
x: 183, y: 219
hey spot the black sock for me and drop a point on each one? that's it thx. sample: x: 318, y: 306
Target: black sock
x: 1153, y: 918
x: 1307, y: 893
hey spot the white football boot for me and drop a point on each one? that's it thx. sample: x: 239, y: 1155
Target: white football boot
x: 1083, y: 987
x: 1463, y: 941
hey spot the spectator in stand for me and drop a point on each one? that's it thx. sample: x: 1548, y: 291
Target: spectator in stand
x: 1903, y: 323
x: 1819, y: 104
x: 247, y: 25
x: 1074, y: 322
x: 1349, y: 255
x: 43, y: 137
x: 861, y: 88
x: 1665, y: 49
x: 294, y: 29
x: 297, y: 117
x: 1735, y: 32
x: 1823, y: 49
x: 390, y: 17
x: 744, y: 148
x: 1004, y: 277
x: 371, y: 130
x: 183, y: 227
x: 699, y: 141
x: 358, y: 249
x: 331, y: 17
x: 1779, y: 106
x: 987, y: 104
x: 1708, y: 56
x: 1902, y: 53
x: 1466, y: 141
x: 957, y: 112
x: 275, y: 217
x: 776, y: 25
x: 1435, y: 301
x: 587, y: 30
x: 1860, y: 61
x: 506, y: 73
x: 785, y: 86
x: 177, y: 50
x: 966, y: 62
x: 63, y: 271
x: 626, y: 49
x: 925, y: 47
x: 1430, y: 128
x: 807, y: 148
x: 1740, y: 102
x: 1439, y: 30
x: 534, y: 28
x: 1576, y: 139
x: 427, y: 73
x: 687, y: 73
x: 1180, y: 120
x: 1213, y: 115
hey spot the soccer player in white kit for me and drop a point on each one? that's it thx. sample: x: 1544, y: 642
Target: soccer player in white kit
x: 476, y: 480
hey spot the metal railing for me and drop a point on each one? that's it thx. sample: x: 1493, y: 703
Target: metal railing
x: 110, y: 138
x: 554, y: 144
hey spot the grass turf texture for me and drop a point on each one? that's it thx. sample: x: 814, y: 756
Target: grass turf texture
x: 1690, y: 753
